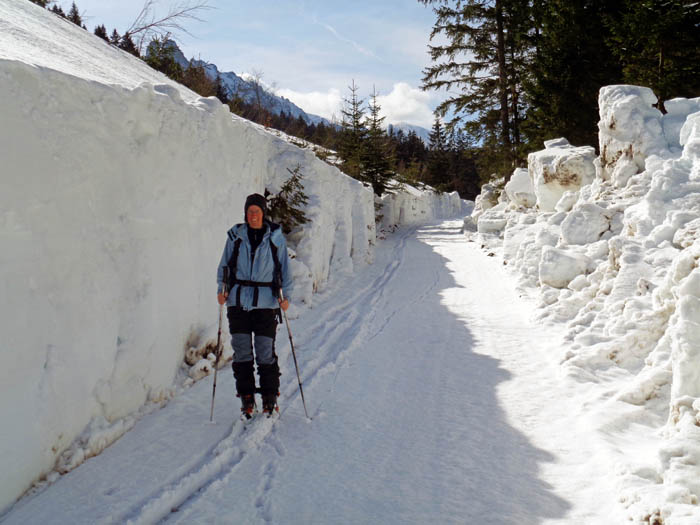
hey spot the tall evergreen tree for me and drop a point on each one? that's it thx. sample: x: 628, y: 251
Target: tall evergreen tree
x: 667, y: 59
x: 570, y: 64
x: 127, y: 44
x: 58, y: 10
x: 287, y: 207
x: 222, y: 92
x: 353, y: 134
x: 115, y: 38
x: 377, y: 155
x: 160, y: 55
x: 481, y: 67
x: 438, y: 173
x: 195, y: 77
x: 101, y: 31
x: 74, y: 15
x: 464, y: 177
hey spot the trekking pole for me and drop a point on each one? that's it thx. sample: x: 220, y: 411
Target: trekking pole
x: 296, y: 365
x: 218, y: 348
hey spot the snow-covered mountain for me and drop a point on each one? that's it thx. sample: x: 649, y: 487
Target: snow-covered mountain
x: 423, y: 134
x: 249, y: 90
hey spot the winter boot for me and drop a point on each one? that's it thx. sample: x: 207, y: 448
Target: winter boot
x: 247, y: 405
x: 243, y: 372
x: 269, y: 386
x: 269, y: 403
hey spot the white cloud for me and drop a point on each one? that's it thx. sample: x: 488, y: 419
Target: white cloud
x: 407, y: 104
x: 404, y: 104
x: 354, y: 44
x: 326, y: 104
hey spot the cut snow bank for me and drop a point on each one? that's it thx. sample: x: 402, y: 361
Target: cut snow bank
x: 115, y: 207
x: 406, y: 204
x: 118, y: 189
x: 618, y: 259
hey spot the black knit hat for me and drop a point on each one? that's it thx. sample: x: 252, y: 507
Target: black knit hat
x: 255, y: 199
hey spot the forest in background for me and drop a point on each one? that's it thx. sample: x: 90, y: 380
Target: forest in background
x: 517, y: 73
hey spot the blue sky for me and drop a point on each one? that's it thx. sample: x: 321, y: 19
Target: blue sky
x: 308, y: 51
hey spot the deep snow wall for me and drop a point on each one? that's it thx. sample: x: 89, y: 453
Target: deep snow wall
x: 114, y: 208
x: 617, y: 258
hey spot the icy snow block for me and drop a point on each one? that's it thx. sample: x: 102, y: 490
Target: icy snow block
x: 567, y: 201
x: 677, y: 111
x: 585, y: 225
x: 491, y: 221
x: 556, y: 143
x: 690, y: 137
x: 629, y: 126
x: 558, y: 267
x: 468, y: 225
x: 687, y: 235
x: 488, y: 198
x: 557, y: 170
x: 520, y: 190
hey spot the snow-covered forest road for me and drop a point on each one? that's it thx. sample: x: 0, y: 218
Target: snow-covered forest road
x: 434, y: 398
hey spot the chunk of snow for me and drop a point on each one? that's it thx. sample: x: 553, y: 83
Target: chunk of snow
x: 585, y: 224
x: 629, y: 126
x: 519, y: 188
x: 559, y: 169
x: 558, y: 267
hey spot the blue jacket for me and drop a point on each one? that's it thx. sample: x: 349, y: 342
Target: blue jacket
x: 261, y: 270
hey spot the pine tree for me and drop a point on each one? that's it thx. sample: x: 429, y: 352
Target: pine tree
x: 74, y: 15
x: 377, y: 158
x: 40, y: 3
x: 160, y: 55
x: 127, y: 44
x: 353, y: 134
x: 115, y: 38
x: 101, y: 31
x: 195, y: 77
x: 481, y: 66
x: 464, y: 176
x: 667, y: 59
x: 286, y: 208
x: 58, y: 10
x: 438, y: 158
x: 222, y: 92
x: 570, y: 64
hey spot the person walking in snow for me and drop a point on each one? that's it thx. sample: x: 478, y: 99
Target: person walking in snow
x: 257, y: 265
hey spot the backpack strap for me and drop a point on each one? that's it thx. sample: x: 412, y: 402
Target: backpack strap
x: 277, y: 275
x: 233, y: 265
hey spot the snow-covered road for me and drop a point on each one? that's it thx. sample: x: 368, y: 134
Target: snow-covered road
x: 434, y: 398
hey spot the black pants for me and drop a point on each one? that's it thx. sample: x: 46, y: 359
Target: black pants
x: 254, y: 330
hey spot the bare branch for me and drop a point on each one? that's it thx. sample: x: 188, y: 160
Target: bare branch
x: 147, y: 25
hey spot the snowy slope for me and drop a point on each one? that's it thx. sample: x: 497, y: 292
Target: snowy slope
x: 118, y: 188
x: 617, y: 262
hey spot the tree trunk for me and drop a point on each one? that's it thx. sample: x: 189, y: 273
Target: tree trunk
x: 503, y: 88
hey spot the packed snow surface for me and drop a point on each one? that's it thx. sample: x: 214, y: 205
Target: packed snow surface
x: 431, y: 396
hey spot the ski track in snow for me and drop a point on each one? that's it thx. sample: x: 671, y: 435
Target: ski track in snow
x: 327, y: 332
x: 419, y: 391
